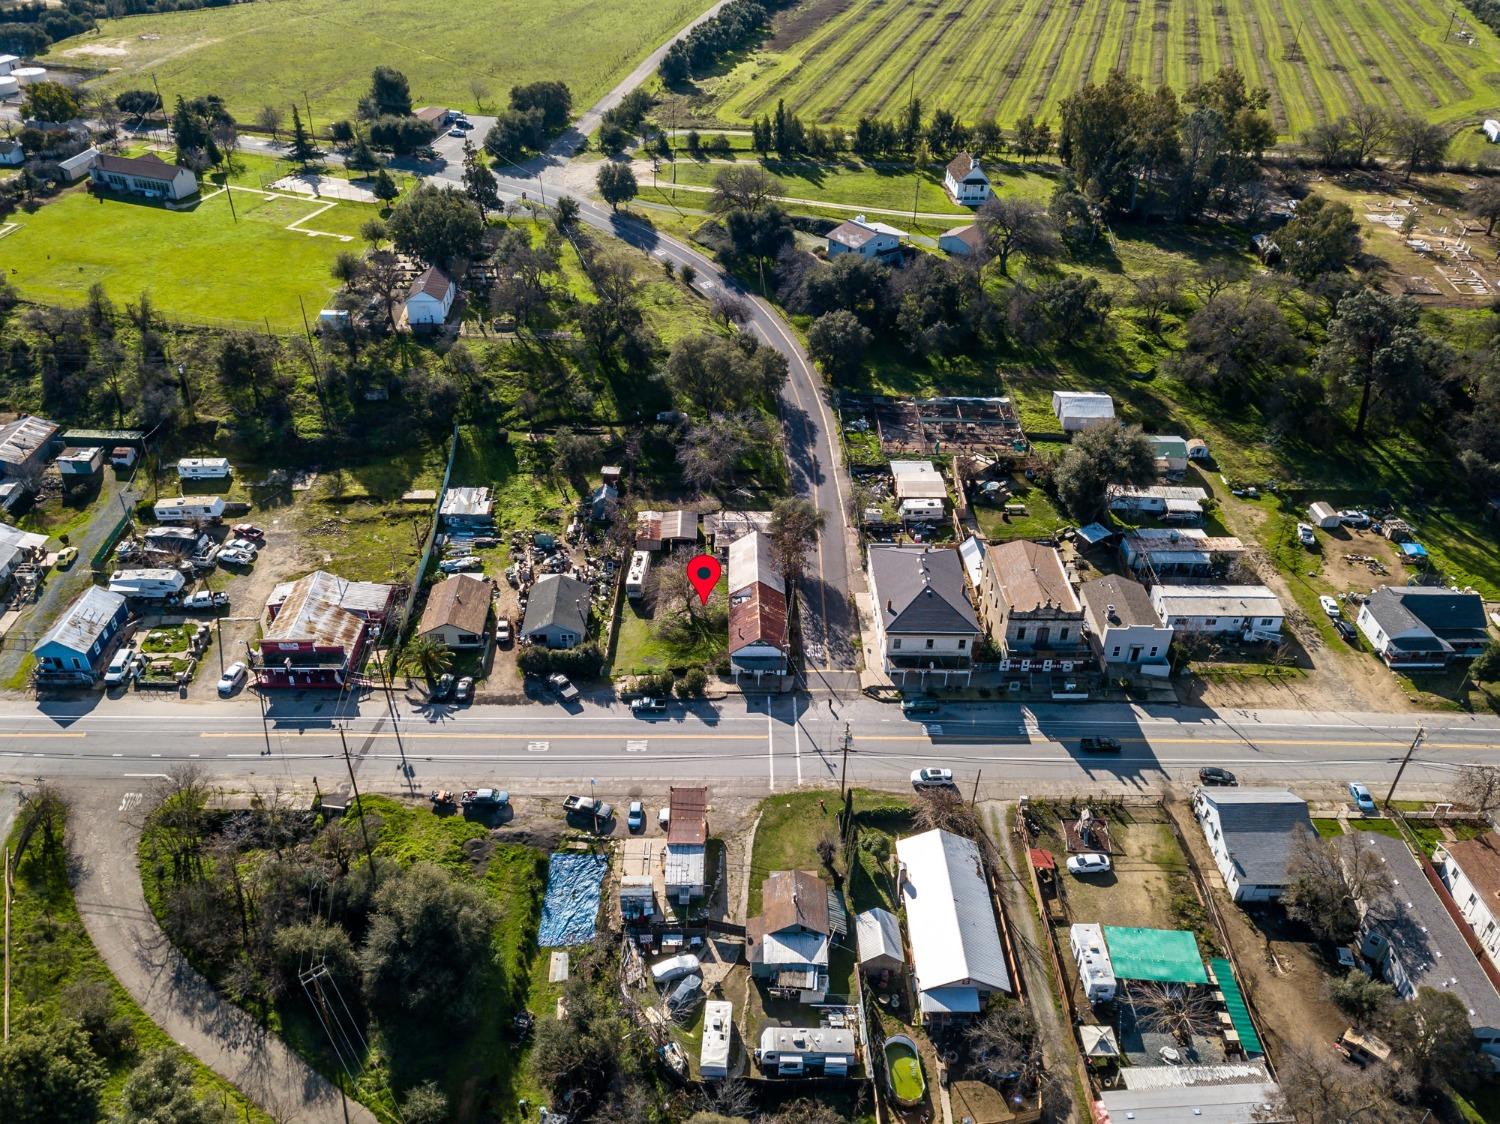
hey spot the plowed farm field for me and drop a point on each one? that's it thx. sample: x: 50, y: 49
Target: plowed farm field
x: 835, y: 60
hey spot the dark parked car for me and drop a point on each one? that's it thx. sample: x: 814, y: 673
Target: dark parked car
x: 919, y: 705
x: 1344, y: 629
x: 1213, y: 775
x: 443, y: 689
x: 1099, y: 745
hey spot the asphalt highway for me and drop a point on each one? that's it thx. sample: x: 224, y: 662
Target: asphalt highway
x: 751, y: 746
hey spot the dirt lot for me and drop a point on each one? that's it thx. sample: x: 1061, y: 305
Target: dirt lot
x: 1148, y: 867
x: 1284, y: 979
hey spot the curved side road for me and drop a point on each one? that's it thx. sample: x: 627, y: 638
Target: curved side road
x: 107, y: 888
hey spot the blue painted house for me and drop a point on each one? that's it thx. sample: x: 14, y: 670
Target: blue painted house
x: 75, y: 647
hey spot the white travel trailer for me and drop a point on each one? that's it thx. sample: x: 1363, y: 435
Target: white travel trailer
x: 635, y: 577
x: 154, y: 585
x: 190, y: 509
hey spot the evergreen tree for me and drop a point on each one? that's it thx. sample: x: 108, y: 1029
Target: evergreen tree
x: 385, y: 188
x: 479, y: 182
x: 302, y: 146
x: 360, y: 158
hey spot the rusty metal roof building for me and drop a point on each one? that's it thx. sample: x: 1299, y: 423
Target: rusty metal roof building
x: 325, y: 610
x: 20, y: 439
x: 687, y: 811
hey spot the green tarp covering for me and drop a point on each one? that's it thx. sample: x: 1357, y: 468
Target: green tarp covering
x: 1167, y: 955
x: 1234, y: 1000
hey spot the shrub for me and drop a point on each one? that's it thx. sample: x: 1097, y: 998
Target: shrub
x: 586, y: 661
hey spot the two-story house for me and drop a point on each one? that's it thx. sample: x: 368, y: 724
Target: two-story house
x: 1124, y: 629
x: 1028, y: 603
x: 1423, y: 625
x: 925, y: 628
x: 1470, y: 869
x: 1253, y: 833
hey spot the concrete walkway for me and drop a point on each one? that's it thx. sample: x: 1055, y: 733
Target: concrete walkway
x: 105, y: 831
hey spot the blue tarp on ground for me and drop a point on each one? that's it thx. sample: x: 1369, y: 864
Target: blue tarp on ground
x: 571, y: 905
x: 1413, y: 550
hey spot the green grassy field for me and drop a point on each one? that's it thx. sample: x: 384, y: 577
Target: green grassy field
x: 322, y: 51
x: 833, y: 60
x: 198, y: 265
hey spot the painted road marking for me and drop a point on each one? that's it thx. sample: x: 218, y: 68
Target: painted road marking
x: 130, y: 800
x: 537, y: 747
x: 638, y: 745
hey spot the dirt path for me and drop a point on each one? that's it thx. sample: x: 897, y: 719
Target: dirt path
x: 1031, y: 952
x: 178, y: 999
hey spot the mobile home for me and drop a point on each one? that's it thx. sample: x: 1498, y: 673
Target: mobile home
x: 203, y: 468
x: 190, y: 509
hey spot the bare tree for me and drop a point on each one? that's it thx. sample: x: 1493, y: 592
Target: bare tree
x: 479, y: 90
x: 1369, y: 128
x: 729, y: 309
x: 1478, y: 786
x: 1017, y: 226
x: 269, y: 120
x: 1005, y: 1043
x: 1328, y: 879
x: 1155, y: 295
x: 1176, y: 1009
x: 1317, y: 1085
x: 744, y: 187
x: 795, y: 526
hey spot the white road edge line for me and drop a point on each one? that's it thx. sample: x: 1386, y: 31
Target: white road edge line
x: 770, y: 754
x: 797, y: 737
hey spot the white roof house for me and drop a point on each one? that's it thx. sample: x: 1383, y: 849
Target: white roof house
x: 955, y: 943
x: 718, y: 1033
x: 1243, y: 1103
x: 75, y: 167
x: 879, y: 936
x: 26, y: 540
x: 790, y: 1049
x: 1096, y: 972
x: 1079, y: 409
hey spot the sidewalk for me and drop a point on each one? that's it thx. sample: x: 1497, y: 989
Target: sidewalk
x: 178, y: 999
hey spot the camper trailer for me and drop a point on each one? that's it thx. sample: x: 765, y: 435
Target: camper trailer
x: 635, y: 577
x: 150, y: 585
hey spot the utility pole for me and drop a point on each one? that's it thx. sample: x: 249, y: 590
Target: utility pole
x: 1415, y: 742
x: 974, y: 798
x: 161, y: 103
x: 7, y: 943
x: 844, y: 767
x: 354, y: 787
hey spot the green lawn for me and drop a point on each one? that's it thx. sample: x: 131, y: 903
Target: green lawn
x: 641, y: 647
x: 322, y: 51
x: 843, y: 59
x: 197, y: 265
x: 52, y: 952
x: 1327, y: 828
x: 1379, y: 827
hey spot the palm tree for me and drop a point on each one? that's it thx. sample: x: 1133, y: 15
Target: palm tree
x: 431, y: 658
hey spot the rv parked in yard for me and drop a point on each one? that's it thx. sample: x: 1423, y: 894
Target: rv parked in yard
x: 189, y: 509
x: 155, y: 585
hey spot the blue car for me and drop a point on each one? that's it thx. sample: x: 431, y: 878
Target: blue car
x: 1362, y: 798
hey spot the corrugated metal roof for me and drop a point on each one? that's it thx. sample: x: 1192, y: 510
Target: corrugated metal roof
x: 750, y: 562
x: 1192, y: 1076
x: 25, y: 540
x: 1032, y: 576
x: 312, y: 613
x: 918, y: 480
x: 1234, y: 1003
x: 467, y: 501
x: 85, y: 620
x: 20, y: 439
x: 1217, y: 600
x: 684, y: 864
x: 687, y: 809
x: 949, y: 916
x: 1202, y: 1104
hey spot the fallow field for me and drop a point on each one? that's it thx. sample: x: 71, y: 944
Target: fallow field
x: 276, y: 52
x: 834, y: 60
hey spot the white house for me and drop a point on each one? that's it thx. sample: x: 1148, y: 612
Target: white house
x: 874, y: 240
x: 957, y: 956
x: 965, y: 180
x: 149, y: 584
x: 430, y: 299
x: 1096, y: 972
x: 149, y: 176
x: 1492, y: 130
x: 1076, y: 409
x: 189, y: 509
x: 1122, y: 624
x: 878, y: 937
x: 1252, y: 833
x: 1471, y: 870
x: 1250, y: 611
x: 917, y: 480
x: 1423, y: 625
x: 961, y: 240
x: 1412, y: 939
x: 925, y: 628
x: 203, y: 468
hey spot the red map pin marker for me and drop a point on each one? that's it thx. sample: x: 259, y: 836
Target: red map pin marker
x: 703, y: 572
